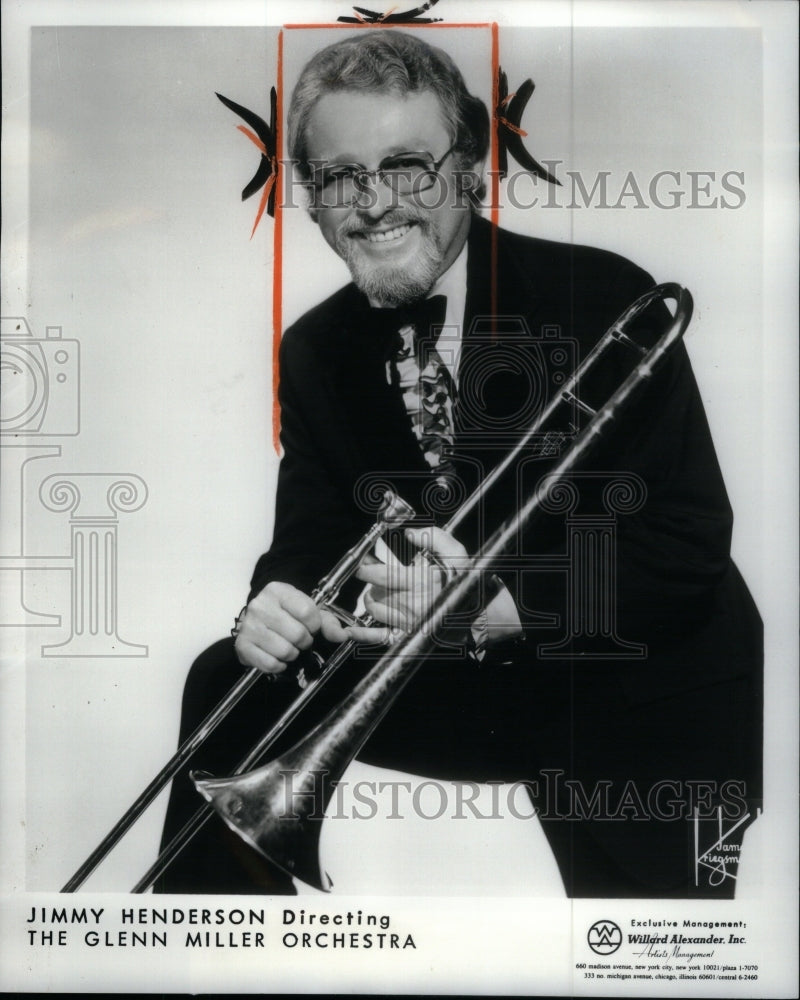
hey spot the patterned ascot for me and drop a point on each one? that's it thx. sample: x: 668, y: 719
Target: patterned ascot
x: 423, y: 378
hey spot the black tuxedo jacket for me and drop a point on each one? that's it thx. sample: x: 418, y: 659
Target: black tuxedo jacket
x: 691, y: 709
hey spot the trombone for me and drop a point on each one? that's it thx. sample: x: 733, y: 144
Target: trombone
x: 395, y: 511
x: 251, y: 802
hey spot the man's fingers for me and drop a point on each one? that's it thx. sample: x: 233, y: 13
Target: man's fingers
x: 384, y: 569
x: 298, y: 605
x: 370, y: 636
x: 437, y: 540
x: 252, y: 656
x: 396, y: 577
x: 277, y: 634
x: 278, y: 623
x: 332, y: 628
x: 386, y: 613
x: 381, y: 635
x: 376, y: 573
x: 417, y: 576
x: 282, y: 608
x: 275, y: 645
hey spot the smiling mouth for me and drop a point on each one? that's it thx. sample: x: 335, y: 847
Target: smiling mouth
x: 385, y: 235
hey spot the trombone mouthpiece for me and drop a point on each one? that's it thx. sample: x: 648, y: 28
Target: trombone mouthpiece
x: 395, y: 510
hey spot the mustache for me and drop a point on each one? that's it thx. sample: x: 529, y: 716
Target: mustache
x: 390, y: 219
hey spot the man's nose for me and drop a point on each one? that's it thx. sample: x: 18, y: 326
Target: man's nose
x: 374, y: 197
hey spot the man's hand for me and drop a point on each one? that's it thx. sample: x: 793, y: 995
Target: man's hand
x: 280, y: 622
x: 399, y: 595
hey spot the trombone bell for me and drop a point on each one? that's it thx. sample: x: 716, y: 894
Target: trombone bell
x: 269, y: 809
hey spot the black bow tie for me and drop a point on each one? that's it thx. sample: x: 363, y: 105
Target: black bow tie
x: 422, y: 315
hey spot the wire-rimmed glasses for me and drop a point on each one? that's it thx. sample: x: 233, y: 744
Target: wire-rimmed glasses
x: 339, y: 184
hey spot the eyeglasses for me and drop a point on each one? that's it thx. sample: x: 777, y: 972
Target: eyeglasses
x: 340, y: 184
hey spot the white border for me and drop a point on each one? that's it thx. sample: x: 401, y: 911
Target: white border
x: 778, y: 22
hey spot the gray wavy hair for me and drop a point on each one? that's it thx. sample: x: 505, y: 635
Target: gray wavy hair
x: 396, y: 62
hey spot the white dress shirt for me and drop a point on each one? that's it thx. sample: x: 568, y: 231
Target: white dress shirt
x: 453, y: 284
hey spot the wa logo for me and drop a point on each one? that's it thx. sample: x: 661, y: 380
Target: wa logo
x: 604, y: 937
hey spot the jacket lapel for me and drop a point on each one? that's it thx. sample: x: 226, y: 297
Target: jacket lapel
x: 382, y: 447
x: 502, y: 377
x: 491, y: 261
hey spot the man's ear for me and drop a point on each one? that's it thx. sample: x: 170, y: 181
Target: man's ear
x: 309, y: 194
x: 301, y: 183
x: 471, y: 182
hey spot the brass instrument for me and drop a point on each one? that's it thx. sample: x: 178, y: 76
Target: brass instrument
x: 254, y: 804
x: 250, y: 802
x: 395, y: 511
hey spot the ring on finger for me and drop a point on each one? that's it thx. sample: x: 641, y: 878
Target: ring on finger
x: 393, y: 635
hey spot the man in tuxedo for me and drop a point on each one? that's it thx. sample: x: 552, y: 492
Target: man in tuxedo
x: 417, y: 375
